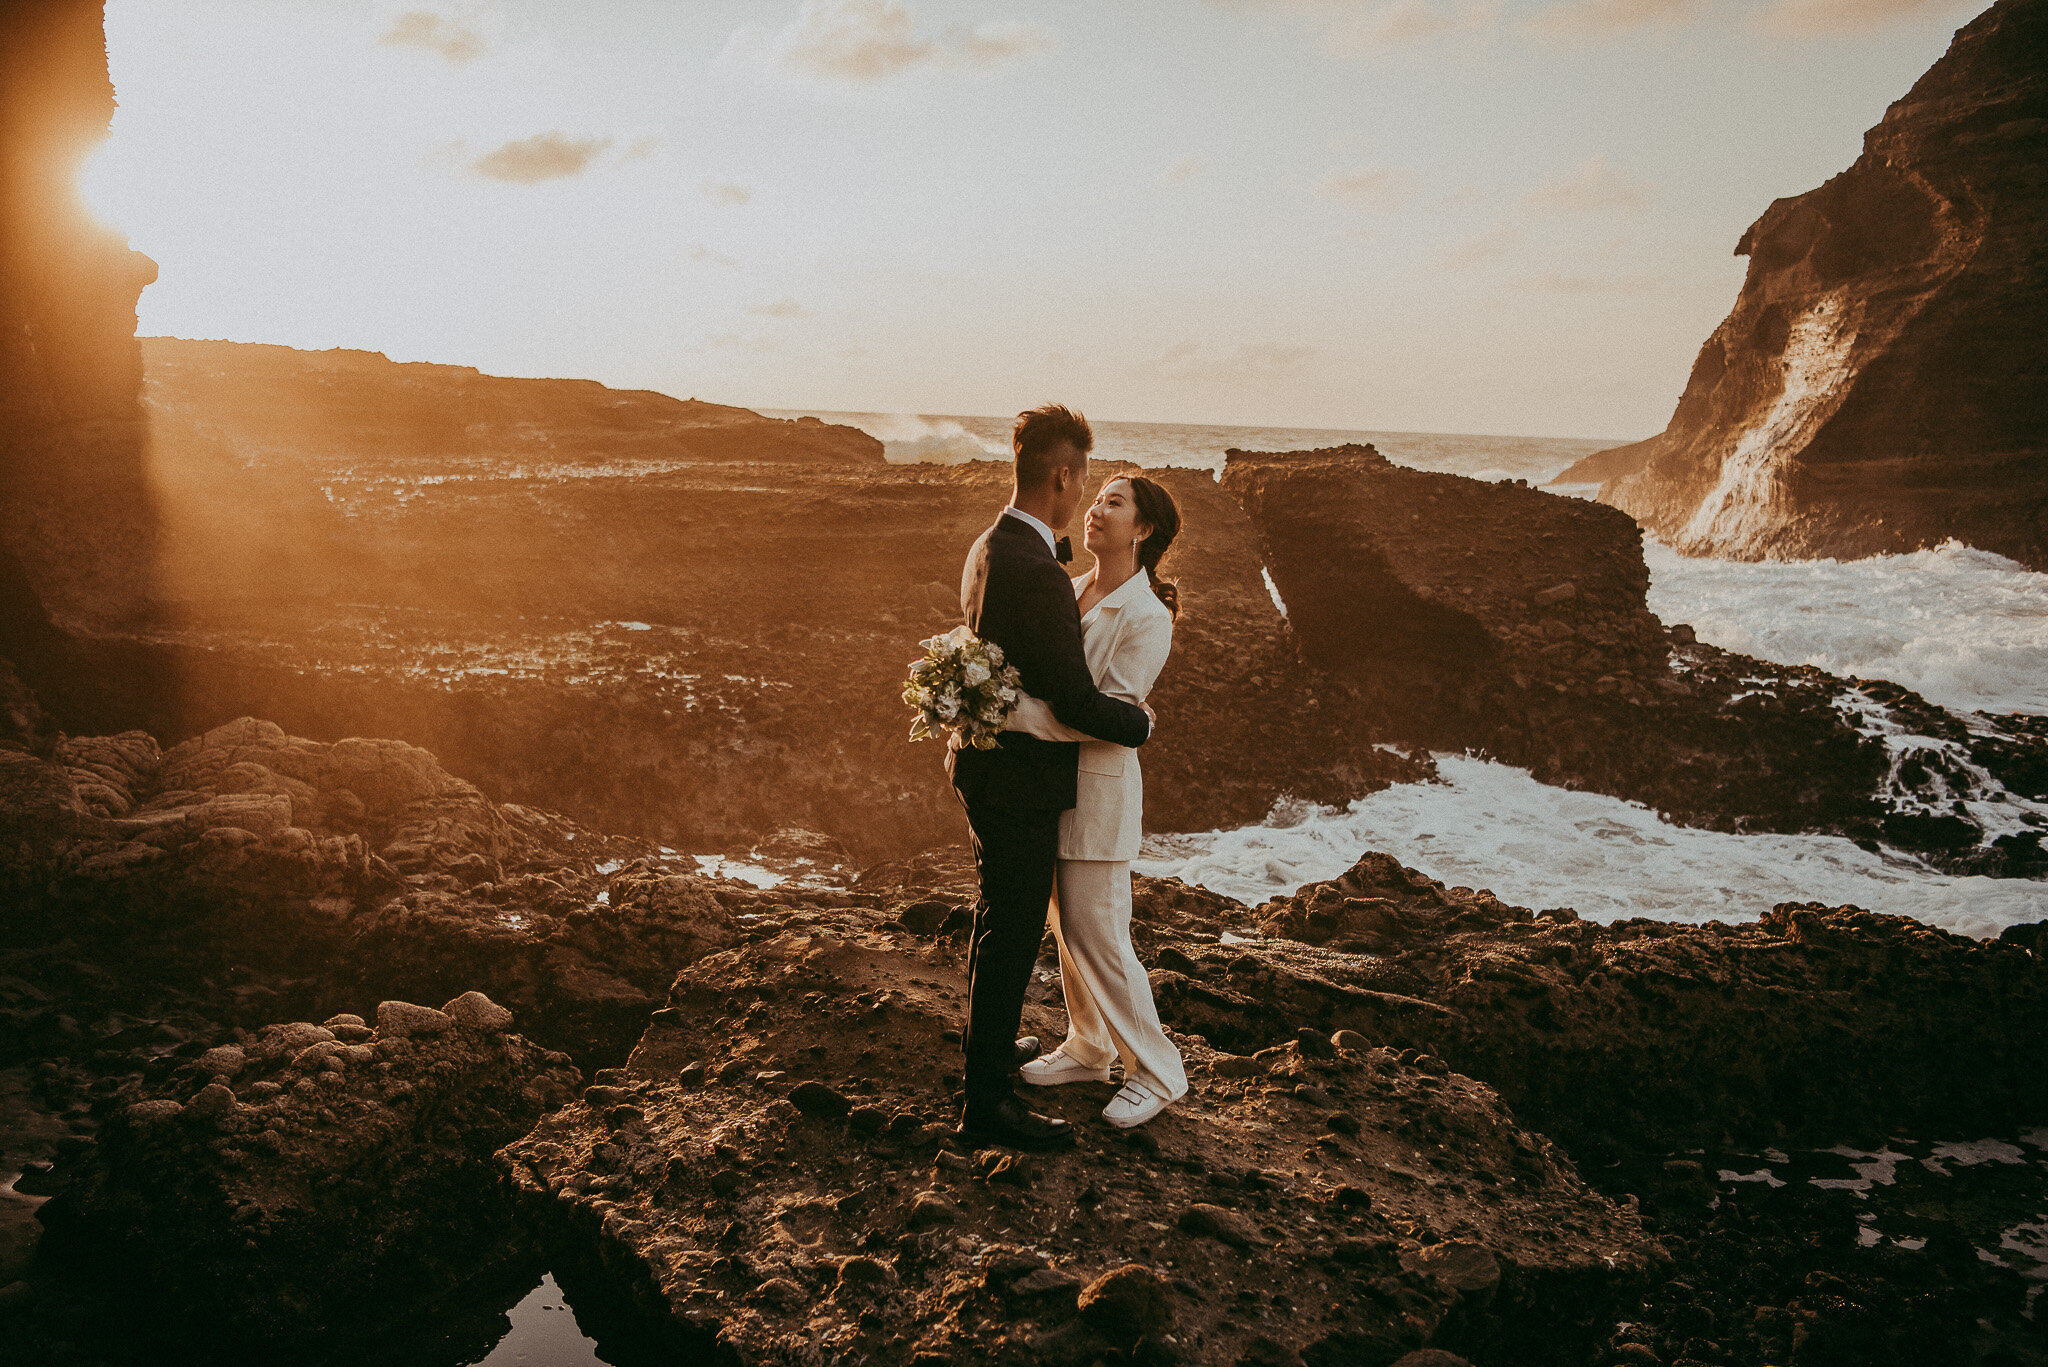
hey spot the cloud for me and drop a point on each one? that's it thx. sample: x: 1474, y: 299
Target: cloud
x: 1406, y: 22
x: 697, y: 251
x: 544, y: 156
x: 862, y: 42
x: 452, y: 38
x: 1383, y: 188
x: 998, y: 41
x: 1186, y: 169
x: 784, y: 307
x: 1806, y: 18
x: 1594, y: 19
x: 725, y: 192
x: 1590, y: 186
x: 1479, y: 246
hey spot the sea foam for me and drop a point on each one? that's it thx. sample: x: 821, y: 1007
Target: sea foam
x: 1964, y: 628
x: 1487, y: 825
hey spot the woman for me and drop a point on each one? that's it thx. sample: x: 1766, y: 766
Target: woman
x: 1127, y: 616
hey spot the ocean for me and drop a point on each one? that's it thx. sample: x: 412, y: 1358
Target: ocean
x: 1965, y: 628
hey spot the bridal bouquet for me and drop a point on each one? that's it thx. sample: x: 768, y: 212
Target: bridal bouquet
x: 961, y: 685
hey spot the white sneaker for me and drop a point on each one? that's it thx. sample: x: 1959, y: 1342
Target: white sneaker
x: 1132, y: 1106
x: 1050, y: 1070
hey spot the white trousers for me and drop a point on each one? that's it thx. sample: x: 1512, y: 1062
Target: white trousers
x: 1110, y: 1013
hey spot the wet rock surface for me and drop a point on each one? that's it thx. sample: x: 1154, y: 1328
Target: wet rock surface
x: 756, y: 1222
x: 1877, y: 386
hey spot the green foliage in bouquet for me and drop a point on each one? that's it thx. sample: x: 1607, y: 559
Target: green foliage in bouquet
x: 963, y: 686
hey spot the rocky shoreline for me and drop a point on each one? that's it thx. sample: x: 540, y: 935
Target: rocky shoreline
x: 758, y: 1166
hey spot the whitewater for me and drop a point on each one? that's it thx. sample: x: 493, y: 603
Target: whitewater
x: 1965, y: 628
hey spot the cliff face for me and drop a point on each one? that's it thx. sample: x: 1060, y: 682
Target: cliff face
x: 1878, y: 386
x: 75, y: 510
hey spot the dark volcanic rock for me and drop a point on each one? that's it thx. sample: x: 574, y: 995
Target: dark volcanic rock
x: 354, y: 871
x: 701, y: 654
x: 305, y: 1184
x: 1813, y: 1021
x: 740, y: 1220
x: 76, y: 516
x: 1499, y: 618
x: 1433, y: 581
x: 1878, y: 385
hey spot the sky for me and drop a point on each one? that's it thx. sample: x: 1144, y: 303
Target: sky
x: 1488, y: 216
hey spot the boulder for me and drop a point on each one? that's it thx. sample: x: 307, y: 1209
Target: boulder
x: 1128, y: 1303
x: 476, y: 1011
x: 401, y: 1020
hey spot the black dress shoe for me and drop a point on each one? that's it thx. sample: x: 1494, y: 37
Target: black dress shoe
x: 1028, y: 1049
x: 1012, y: 1124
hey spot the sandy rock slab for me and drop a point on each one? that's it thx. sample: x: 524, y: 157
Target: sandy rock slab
x: 771, y: 1175
x: 313, y: 1178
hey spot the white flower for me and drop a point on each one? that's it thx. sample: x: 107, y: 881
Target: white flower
x: 976, y: 674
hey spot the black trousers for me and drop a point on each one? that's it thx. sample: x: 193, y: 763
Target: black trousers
x: 1016, y: 851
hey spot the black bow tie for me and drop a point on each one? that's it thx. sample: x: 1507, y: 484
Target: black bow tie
x: 1063, y: 551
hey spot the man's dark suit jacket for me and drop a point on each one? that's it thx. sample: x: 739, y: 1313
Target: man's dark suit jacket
x: 1016, y: 594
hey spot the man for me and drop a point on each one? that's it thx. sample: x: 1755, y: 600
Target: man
x: 1016, y: 594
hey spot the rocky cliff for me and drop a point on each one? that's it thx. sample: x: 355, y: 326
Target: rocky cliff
x: 1878, y: 384
x: 76, y: 516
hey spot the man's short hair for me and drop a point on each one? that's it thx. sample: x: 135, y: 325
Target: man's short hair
x: 1039, y: 440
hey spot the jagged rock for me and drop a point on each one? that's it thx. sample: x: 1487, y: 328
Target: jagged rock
x: 1677, y: 1035
x: 1467, y: 1268
x: 348, y: 1201
x: 1877, y: 386
x: 727, y: 1164
x: 1224, y: 1226
x: 930, y: 1208
x: 1128, y: 1303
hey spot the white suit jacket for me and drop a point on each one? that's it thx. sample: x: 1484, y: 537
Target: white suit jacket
x: 1126, y: 638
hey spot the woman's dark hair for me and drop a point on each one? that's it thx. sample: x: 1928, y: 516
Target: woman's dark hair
x: 1156, y: 507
